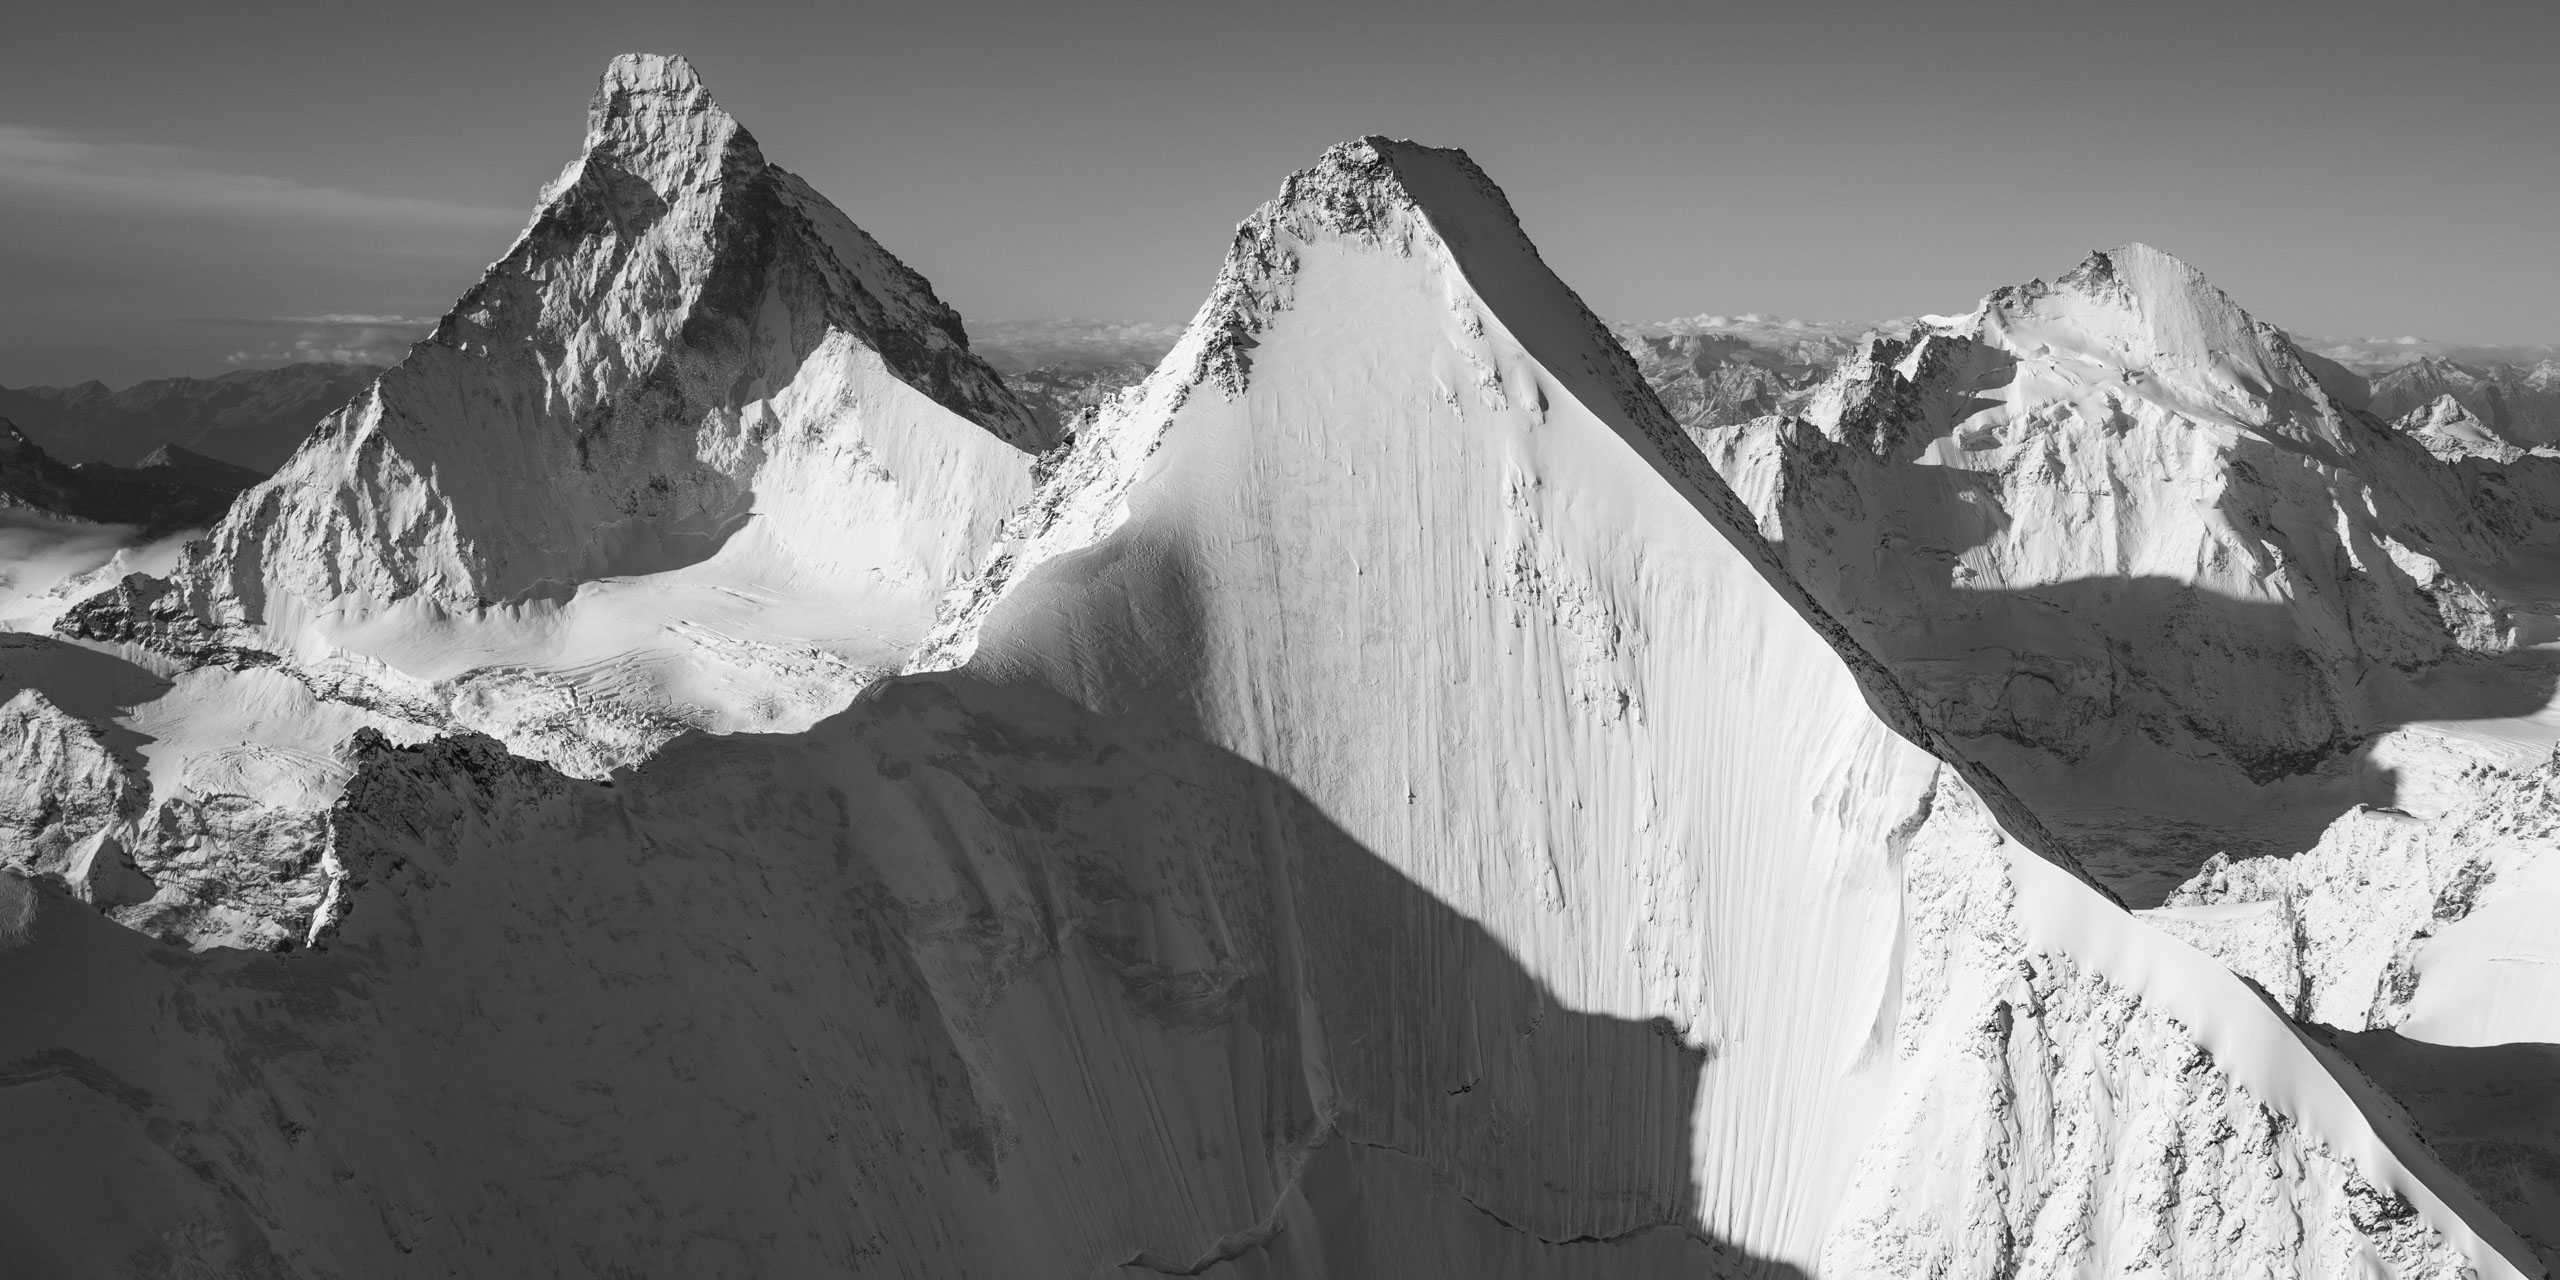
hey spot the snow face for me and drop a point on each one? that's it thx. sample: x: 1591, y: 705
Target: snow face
x: 2146, y: 558
x: 1515, y: 523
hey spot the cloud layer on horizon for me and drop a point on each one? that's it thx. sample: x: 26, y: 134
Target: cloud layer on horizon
x: 357, y: 339
x: 42, y: 163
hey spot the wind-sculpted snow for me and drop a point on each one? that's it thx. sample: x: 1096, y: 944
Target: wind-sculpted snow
x: 697, y: 453
x: 2144, y: 556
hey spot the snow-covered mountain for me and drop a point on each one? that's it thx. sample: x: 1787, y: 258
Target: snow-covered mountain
x: 2179, y: 583
x: 1373, y: 803
x: 2519, y: 403
x: 696, y: 453
x: 2151, y: 558
x: 170, y: 489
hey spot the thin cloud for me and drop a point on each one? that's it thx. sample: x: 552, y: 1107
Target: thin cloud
x: 142, y: 176
x: 334, y: 338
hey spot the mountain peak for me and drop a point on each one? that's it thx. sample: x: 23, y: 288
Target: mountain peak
x: 2146, y: 310
x: 2158, y: 284
x: 2134, y: 259
x: 652, y: 116
x: 1377, y: 192
x: 682, y: 342
x: 1360, y: 188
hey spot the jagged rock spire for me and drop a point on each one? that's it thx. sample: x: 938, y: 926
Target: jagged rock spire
x: 631, y: 361
x: 652, y: 118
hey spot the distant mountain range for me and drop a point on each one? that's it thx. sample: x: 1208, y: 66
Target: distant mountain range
x: 252, y: 418
x: 170, y: 488
x: 1711, y: 371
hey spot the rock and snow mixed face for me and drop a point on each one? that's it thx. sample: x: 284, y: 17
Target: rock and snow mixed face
x: 2143, y: 555
x: 2178, y: 583
x: 696, y: 432
x: 2424, y: 940
x: 1374, y: 810
x: 697, y: 453
x: 1628, y: 752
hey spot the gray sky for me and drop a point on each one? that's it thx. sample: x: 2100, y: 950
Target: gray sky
x: 183, y: 185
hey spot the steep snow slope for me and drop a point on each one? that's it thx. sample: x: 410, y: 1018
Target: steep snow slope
x: 1519, y: 516
x: 1372, y: 818
x: 697, y: 453
x: 2149, y: 559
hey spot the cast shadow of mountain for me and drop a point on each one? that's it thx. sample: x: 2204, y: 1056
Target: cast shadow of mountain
x: 91, y: 686
x: 1082, y: 984
x: 2152, y: 724
x: 2491, y: 1111
x: 2149, y: 722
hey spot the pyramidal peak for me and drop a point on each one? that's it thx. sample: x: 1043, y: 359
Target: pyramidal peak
x: 2143, y: 325
x: 2162, y: 308
x: 653, y: 118
x: 1512, y: 336
x: 678, y: 317
x: 696, y: 454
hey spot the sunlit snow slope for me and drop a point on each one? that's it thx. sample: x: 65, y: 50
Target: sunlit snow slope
x: 1398, y: 523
